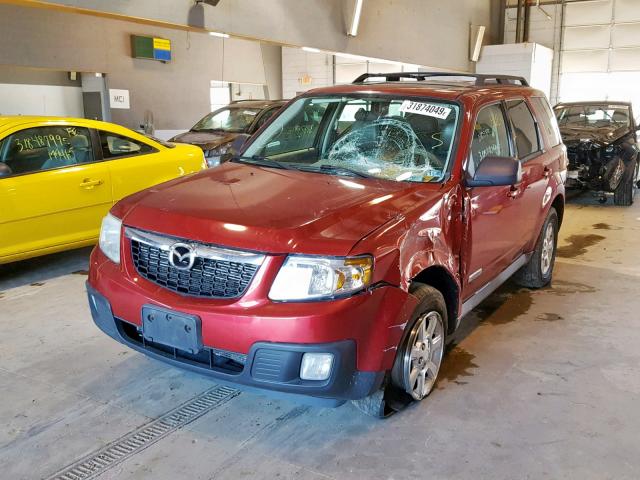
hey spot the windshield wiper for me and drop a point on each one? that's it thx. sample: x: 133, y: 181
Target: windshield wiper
x: 261, y: 162
x: 340, y: 170
x: 209, y: 130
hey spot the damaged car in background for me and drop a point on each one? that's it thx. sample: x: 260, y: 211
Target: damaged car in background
x: 601, y: 140
x: 222, y: 132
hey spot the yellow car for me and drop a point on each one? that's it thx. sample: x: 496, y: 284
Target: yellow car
x: 60, y: 176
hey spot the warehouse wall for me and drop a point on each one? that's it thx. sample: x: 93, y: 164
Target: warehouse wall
x: 425, y: 32
x: 296, y: 63
x: 177, y: 93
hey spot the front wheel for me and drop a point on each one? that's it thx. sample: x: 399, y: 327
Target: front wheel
x: 420, y: 355
x: 538, y: 271
x: 418, y: 359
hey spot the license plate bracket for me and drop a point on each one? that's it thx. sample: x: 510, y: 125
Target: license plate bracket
x: 173, y: 329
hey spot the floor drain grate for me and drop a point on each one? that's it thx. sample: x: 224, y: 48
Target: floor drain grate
x: 132, y: 443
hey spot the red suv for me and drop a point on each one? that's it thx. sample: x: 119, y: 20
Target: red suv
x: 334, y: 257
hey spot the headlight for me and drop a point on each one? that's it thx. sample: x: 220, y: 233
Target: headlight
x: 308, y: 278
x: 215, y: 155
x: 110, y: 237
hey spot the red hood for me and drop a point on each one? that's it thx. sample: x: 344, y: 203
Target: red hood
x: 270, y: 210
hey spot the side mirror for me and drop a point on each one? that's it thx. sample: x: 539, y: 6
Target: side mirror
x: 5, y: 170
x: 496, y: 171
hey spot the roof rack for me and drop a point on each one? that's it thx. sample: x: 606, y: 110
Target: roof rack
x: 481, y: 79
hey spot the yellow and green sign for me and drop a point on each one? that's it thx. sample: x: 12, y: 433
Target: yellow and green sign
x: 151, y: 48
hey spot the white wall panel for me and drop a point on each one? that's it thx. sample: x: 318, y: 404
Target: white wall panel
x: 588, y: 13
x: 40, y: 100
x: 298, y: 65
x: 626, y: 35
x: 585, y: 38
x: 627, y: 11
x: 577, y: 87
x: 585, y: 61
x: 625, y: 59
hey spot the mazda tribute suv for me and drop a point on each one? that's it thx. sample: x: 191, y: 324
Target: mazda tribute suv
x: 333, y: 258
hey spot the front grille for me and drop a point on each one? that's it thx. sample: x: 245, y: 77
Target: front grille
x: 208, y: 277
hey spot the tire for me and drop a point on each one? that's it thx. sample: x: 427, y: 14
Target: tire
x: 623, y: 195
x: 394, y: 396
x: 431, y: 310
x: 538, y: 271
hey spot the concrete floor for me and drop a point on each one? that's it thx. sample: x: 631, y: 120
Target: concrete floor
x: 538, y: 384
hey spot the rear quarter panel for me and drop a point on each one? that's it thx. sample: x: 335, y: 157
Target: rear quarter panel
x: 135, y: 173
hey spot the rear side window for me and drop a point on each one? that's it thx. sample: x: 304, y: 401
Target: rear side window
x: 114, y: 145
x: 548, y: 120
x: 524, y: 128
x: 490, y: 136
x: 45, y: 148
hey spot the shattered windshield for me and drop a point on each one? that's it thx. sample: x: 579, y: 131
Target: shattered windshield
x: 393, y: 138
x: 595, y: 116
x: 227, y: 119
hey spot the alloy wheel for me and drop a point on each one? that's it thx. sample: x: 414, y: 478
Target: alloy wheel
x: 423, y: 355
x: 548, y: 245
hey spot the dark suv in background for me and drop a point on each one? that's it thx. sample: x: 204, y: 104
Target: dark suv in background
x: 335, y: 256
x: 216, y: 132
x: 601, y: 140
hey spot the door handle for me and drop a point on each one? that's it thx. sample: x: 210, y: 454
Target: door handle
x: 88, y: 184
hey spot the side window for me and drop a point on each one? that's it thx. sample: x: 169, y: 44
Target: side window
x: 300, y: 134
x: 524, y: 128
x: 490, y: 137
x: 114, y: 145
x: 45, y: 148
x: 549, y: 122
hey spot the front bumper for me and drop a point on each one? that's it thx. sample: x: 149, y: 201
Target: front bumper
x: 267, y: 366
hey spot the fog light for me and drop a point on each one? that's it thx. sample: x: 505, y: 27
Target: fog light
x: 316, y: 366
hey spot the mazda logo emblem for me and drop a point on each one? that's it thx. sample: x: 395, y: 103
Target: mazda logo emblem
x: 182, y: 256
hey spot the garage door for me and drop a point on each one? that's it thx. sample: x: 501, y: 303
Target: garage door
x: 601, y: 51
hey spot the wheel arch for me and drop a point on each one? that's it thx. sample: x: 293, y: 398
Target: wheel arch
x: 441, y: 279
x: 558, y: 204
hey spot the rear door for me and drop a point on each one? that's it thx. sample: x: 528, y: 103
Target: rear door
x: 536, y: 168
x: 56, y: 193
x: 494, y: 235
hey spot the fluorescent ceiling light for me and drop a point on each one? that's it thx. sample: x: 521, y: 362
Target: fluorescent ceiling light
x: 355, y: 21
x: 312, y: 50
x: 218, y: 34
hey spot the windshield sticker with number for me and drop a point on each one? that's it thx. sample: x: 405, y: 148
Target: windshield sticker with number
x: 428, y: 109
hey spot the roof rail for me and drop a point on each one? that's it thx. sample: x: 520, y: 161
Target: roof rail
x: 249, y: 100
x: 481, y: 79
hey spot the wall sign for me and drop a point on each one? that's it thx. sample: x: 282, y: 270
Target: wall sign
x: 119, y: 98
x: 151, y: 47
